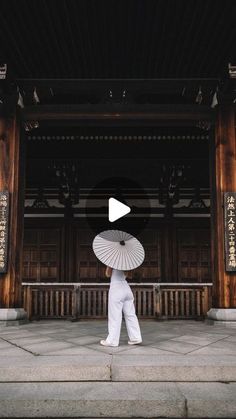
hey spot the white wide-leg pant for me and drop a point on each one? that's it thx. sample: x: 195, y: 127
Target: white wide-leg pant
x: 121, y: 299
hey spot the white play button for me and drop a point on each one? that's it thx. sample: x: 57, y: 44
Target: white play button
x: 117, y: 209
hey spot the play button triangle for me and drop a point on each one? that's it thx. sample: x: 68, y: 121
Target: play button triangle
x: 117, y: 210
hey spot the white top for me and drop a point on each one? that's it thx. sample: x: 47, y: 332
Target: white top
x: 117, y: 276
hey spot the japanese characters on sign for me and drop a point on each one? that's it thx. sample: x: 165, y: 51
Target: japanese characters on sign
x: 4, y: 211
x: 230, y: 230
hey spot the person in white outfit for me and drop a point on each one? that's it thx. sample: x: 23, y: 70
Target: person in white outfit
x: 121, y: 299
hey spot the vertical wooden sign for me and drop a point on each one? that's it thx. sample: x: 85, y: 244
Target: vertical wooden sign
x: 4, y: 216
x: 230, y: 231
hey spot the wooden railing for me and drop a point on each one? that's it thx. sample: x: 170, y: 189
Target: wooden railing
x: 54, y: 301
x: 81, y: 300
x: 176, y: 302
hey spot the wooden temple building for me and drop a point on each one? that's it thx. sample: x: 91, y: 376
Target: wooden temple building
x: 65, y: 134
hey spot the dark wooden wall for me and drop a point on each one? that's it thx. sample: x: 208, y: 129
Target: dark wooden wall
x: 176, y: 251
x: 42, y: 254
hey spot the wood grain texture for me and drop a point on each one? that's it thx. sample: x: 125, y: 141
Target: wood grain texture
x: 12, y: 179
x: 223, y: 179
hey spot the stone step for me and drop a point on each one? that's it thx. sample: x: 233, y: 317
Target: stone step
x: 55, y: 368
x: 121, y: 367
x: 109, y: 399
x: 174, y: 368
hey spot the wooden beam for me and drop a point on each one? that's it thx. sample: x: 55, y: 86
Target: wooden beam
x: 139, y: 85
x: 179, y: 114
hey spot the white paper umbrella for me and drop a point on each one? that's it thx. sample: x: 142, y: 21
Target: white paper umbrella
x: 118, y: 250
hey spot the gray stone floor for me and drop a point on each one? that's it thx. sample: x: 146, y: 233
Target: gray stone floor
x: 183, y: 369
x: 60, y: 338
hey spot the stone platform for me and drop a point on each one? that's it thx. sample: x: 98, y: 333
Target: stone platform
x: 58, y: 369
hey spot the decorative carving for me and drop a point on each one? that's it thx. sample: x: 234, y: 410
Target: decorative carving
x: 205, y: 125
x: 29, y: 125
x: 232, y: 71
x: 67, y: 178
x: 40, y: 201
x: 170, y: 181
x: 197, y: 202
x: 3, y: 71
x: 115, y: 95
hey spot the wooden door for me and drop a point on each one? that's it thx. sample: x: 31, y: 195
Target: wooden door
x: 193, y: 247
x: 41, y: 260
x: 151, y: 269
x: 88, y: 268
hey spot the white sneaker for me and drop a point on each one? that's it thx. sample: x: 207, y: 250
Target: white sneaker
x: 105, y: 343
x: 134, y: 342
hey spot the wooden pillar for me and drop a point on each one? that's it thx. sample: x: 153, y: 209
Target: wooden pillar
x: 12, y: 180
x: 168, y: 259
x: 223, y: 179
x: 69, y: 249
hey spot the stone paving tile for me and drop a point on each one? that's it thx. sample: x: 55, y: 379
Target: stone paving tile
x: 103, y: 332
x: 49, y: 325
x: 231, y: 339
x: 51, y: 331
x: 44, y: 347
x: 30, y: 340
x: 110, y: 350
x: 14, y: 339
x: 210, y: 350
x: 84, y: 340
x: 179, y: 337
x: 198, y: 340
x: 231, y: 331
x: 4, y: 344
x: 17, y: 334
x: 161, y: 336
x: 63, y: 336
x: 179, y: 347
x: 223, y: 344
x: 212, y: 335
x: 144, y: 350
x: 124, y: 343
x: 77, y: 350
x: 86, y: 330
x: 14, y: 351
x: 104, y: 335
x: 10, y: 329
